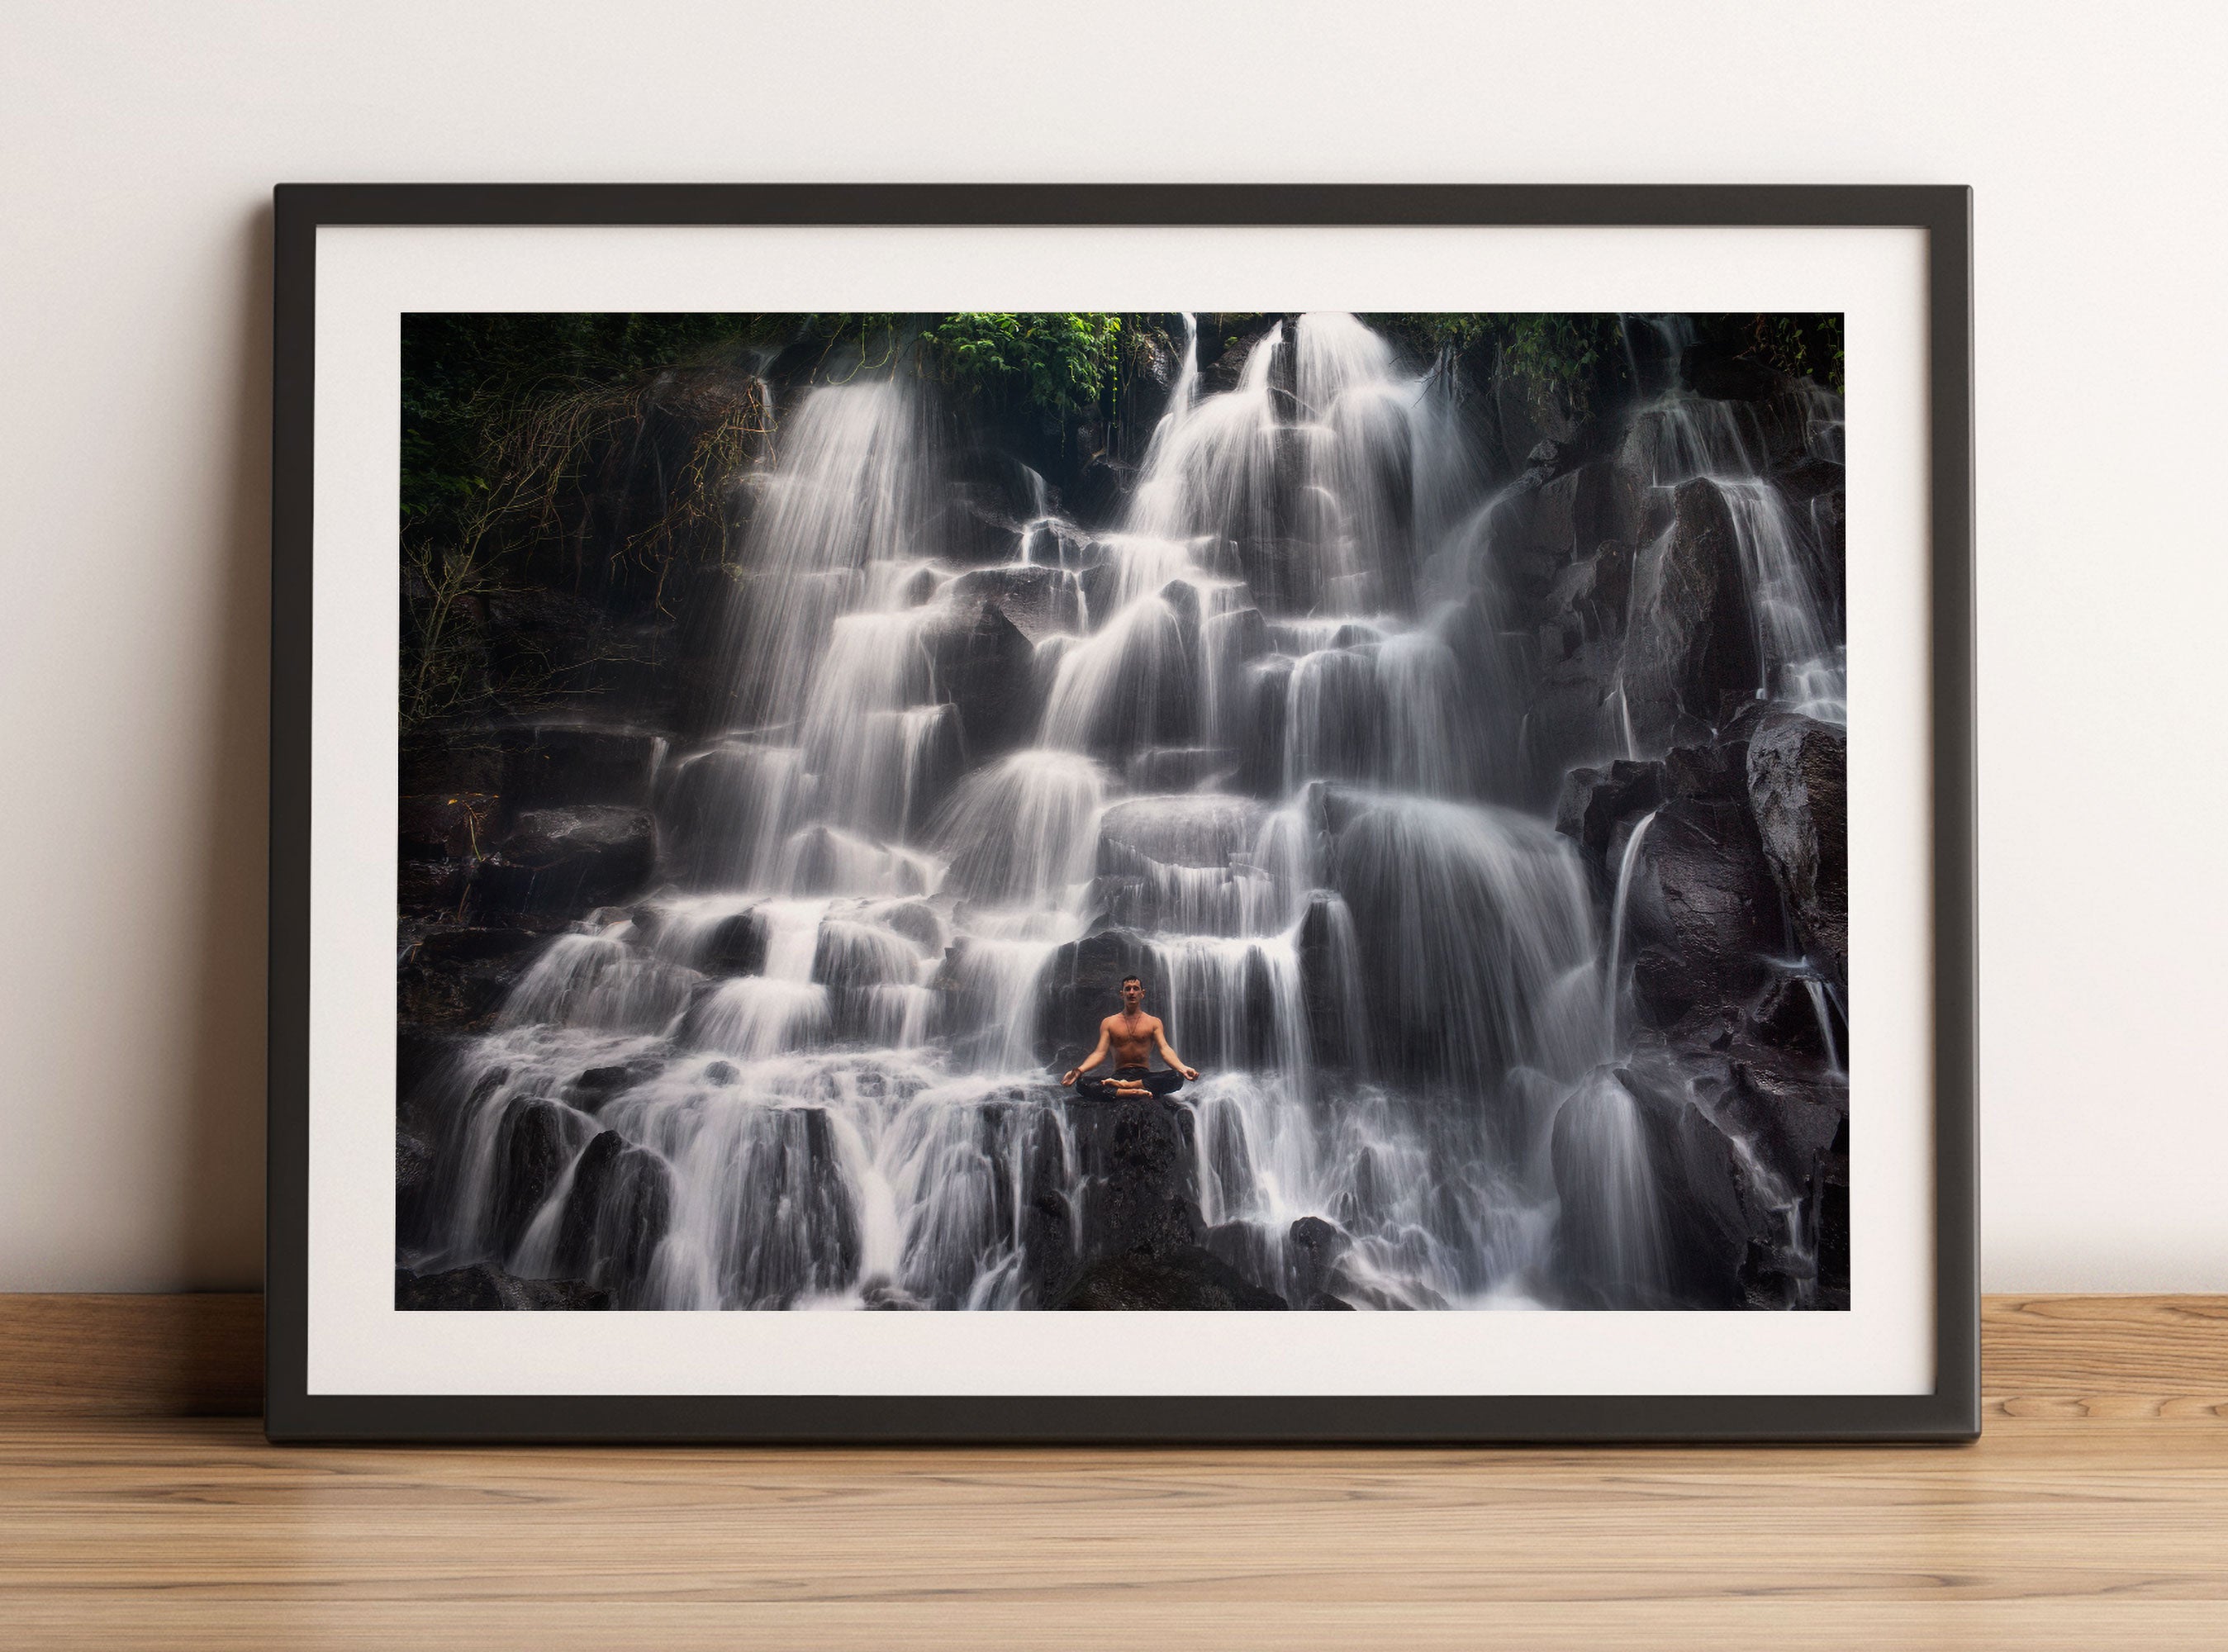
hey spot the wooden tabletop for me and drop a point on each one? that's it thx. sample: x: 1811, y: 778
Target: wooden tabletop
x: 2092, y: 1513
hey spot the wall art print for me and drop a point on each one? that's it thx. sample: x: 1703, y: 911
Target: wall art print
x: 1172, y: 810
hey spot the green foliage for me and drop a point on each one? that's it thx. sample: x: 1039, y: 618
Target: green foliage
x: 1551, y: 355
x: 1059, y: 364
x: 506, y: 420
x: 1801, y: 347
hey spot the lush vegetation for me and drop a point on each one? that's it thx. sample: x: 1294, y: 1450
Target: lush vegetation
x: 1052, y: 363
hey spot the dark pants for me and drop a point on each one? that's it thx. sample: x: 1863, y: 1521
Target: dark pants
x: 1165, y: 1083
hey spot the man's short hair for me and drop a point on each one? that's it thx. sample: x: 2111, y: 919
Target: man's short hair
x: 1127, y: 979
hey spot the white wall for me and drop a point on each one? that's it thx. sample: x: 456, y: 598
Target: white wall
x: 137, y: 145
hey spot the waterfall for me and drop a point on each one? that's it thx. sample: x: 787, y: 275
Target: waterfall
x: 1612, y: 973
x: 1255, y: 739
x: 1616, y: 1239
x: 1679, y: 437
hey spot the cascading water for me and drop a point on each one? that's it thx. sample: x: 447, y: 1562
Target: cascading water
x: 1247, y: 746
x: 1679, y: 437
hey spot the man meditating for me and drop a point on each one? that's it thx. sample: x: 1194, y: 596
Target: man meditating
x: 1132, y: 1036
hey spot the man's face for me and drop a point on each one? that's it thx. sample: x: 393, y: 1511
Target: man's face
x: 1133, y: 995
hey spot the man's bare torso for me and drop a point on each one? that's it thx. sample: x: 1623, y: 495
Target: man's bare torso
x: 1131, y: 1038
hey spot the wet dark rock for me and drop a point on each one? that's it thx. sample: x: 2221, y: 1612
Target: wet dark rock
x: 1702, y: 1225
x: 480, y: 1288
x: 532, y: 1152
x: 1313, y: 1248
x: 1224, y: 342
x: 1323, y: 1301
x: 598, y: 1087
x: 1237, y: 636
x: 972, y: 534
x: 1578, y: 510
x: 1741, y: 1140
x: 1587, y: 601
x: 1245, y: 1248
x: 565, y: 860
x: 1700, y: 910
x: 1785, y: 1017
x: 553, y: 764
x: 1715, y: 772
x: 1100, y: 488
x: 1040, y: 602
x: 616, y: 1216
x: 984, y: 665
x: 455, y: 979
x: 1798, y: 787
x: 1047, y: 1247
x: 1692, y: 645
x: 1179, y: 1281
x: 430, y: 890
x: 793, y: 1168
x: 736, y: 946
x: 1595, y: 802
x: 1139, y: 1162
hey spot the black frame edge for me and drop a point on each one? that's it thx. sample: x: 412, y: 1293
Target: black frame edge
x: 1950, y: 1412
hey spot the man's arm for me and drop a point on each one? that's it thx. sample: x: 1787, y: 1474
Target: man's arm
x: 1167, y: 1054
x: 1105, y: 1032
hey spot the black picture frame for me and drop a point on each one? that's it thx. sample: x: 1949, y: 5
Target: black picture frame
x: 1951, y: 1411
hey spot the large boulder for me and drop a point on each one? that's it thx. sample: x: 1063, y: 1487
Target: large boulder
x: 1701, y: 915
x: 1746, y: 1156
x: 1691, y: 645
x: 1798, y: 789
x: 1313, y: 1249
x: 482, y: 1288
x: 985, y: 665
x: 559, y: 860
x: 536, y: 1143
x: 616, y: 1216
x: 1138, y: 1161
x: 598, y: 1087
x: 1184, y: 1281
x: 1040, y: 602
x: 736, y: 945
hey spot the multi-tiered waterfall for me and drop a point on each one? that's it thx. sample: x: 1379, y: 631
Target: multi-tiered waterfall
x: 1267, y: 738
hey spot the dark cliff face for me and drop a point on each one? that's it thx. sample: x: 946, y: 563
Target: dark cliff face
x: 1610, y: 666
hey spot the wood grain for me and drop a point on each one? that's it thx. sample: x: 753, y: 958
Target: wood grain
x: 2092, y: 1513
x: 188, y: 1355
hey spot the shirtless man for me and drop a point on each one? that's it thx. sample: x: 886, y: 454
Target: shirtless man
x: 1132, y: 1036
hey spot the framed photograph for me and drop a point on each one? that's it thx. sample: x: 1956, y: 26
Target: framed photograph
x: 1369, y: 842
